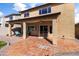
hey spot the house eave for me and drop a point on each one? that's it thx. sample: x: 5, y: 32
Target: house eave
x: 57, y: 13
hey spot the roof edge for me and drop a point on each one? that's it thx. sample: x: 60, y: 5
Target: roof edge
x: 12, y: 15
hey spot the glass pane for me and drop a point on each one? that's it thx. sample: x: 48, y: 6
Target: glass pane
x: 26, y: 14
x: 44, y: 11
x: 41, y: 29
x: 39, y: 11
x: 11, y: 17
x: 45, y: 29
x: 49, y: 9
x: 50, y: 29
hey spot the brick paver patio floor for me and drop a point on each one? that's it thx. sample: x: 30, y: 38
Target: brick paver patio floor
x: 10, y: 41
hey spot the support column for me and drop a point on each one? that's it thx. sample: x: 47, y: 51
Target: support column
x: 54, y: 31
x: 39, y: 30
x: 49, y: 30
x: 21, y: 28
x: 24, y: 30
x: 10, y: 32
x: 54, y: 26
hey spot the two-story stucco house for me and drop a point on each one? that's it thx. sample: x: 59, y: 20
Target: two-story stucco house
x: 45, y: 20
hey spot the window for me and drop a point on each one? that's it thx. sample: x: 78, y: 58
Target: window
x: 30, y: 29
x: 6, y: 25
x: 43, y: 29
x: 26, y: 14
x: 0, y: 25
x: 45, y: 10
x: 40, y: 12
x: 50, y: 29
x: 11, y: 17
x: 49, y: 9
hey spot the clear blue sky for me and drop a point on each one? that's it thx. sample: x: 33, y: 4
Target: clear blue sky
x: 9, y: 8
x: 6, y: 8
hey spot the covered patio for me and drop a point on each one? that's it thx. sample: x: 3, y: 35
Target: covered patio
x: 40, y: 26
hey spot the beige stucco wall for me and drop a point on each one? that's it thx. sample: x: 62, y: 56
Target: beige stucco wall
x: 64, y: 25
x: 65, y: 21
x: 16, y: 17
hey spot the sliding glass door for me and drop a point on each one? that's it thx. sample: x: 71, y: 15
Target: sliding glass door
x: 44, y: 30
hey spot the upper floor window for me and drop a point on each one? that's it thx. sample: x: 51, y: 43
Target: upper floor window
x: 26, y: 14
x: 45, y: 10
x: 11, y: 17
x: 49, y: 9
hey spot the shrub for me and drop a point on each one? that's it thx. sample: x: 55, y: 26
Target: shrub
x: 2, y: 44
